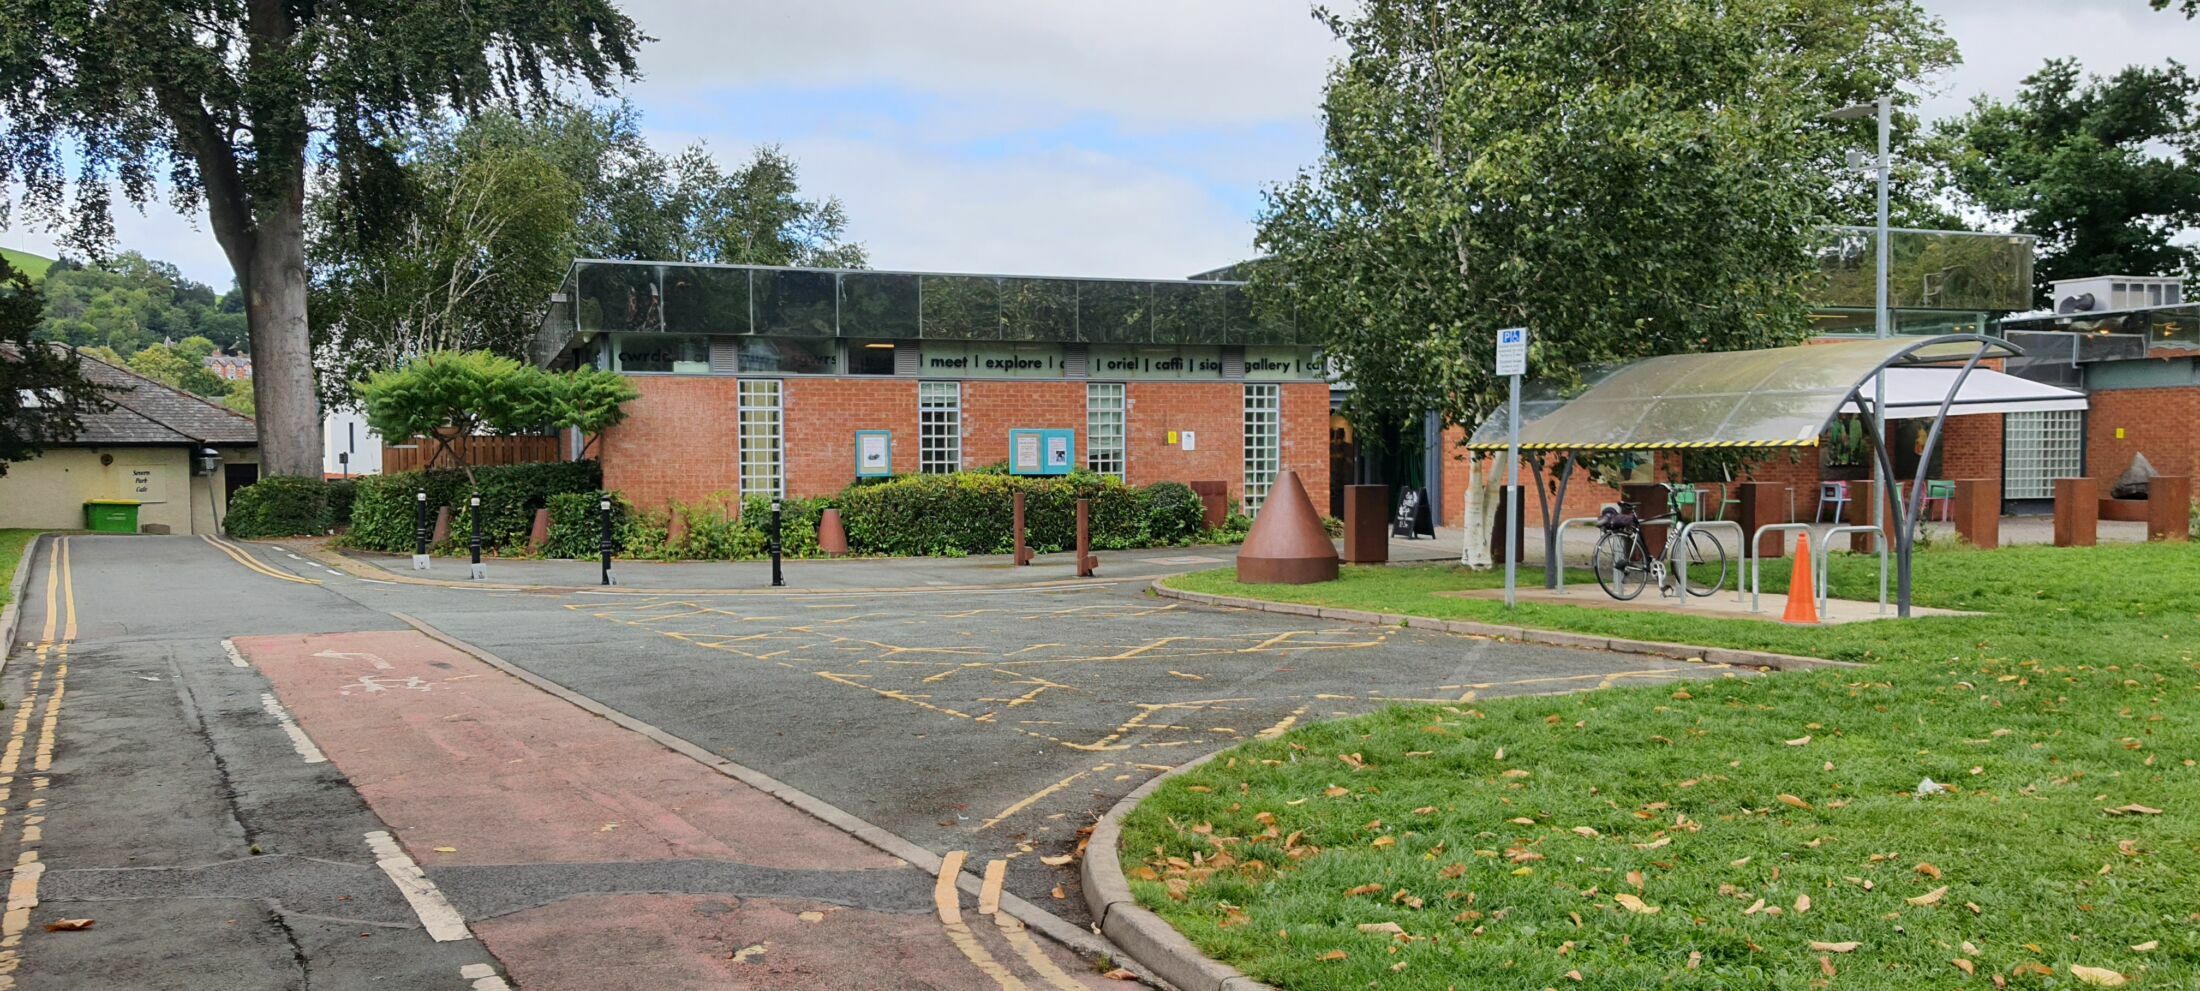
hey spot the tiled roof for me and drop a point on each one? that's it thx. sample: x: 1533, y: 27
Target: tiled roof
x: 147, y: 412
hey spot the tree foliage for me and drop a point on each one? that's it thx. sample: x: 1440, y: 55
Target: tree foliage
x: 1624, y: 179
x: 2105, y: 171
x: 447, y: 395
x: 129, y: 301
x: 222, y: 103
x: 499, y: 205
x: 43, y: 392
x: 181, y: 365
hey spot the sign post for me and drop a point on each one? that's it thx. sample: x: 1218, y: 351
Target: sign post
x: 1512, y: 362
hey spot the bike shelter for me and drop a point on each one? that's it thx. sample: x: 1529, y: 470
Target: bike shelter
x: 1778, y: 398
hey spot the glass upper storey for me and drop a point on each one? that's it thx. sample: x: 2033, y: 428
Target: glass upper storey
x: 749, y: 300
x: 1929, y: 270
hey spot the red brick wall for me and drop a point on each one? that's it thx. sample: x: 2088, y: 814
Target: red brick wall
x: 990, y: 409
x: 822, y: 417
x: 2156, y: 422
x: 678, y: 442
x: 1970, y: 447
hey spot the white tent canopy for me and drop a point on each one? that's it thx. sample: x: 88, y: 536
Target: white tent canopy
x: 1916, y: 393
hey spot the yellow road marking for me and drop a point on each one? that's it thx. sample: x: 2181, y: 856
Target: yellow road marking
x: 1034, y: 957
x: 944, y: 897
x: 964, y: 940
x: 1285, y: 723
x: 22, y: 891
x: 241, y: 557
x: 989, y: 893
x: 1027, y: 801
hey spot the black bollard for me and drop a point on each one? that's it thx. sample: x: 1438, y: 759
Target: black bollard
x: 603, y: 507
x: 778, y: 580
x: 420, y: 530
x: 473, y: 503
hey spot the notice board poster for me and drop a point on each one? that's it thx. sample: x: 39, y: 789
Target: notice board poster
x: 1042, y: 452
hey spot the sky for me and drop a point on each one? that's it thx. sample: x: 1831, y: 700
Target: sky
x: 1131, y: 138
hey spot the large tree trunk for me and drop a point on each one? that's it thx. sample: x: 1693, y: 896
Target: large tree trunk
x: 289, y: 409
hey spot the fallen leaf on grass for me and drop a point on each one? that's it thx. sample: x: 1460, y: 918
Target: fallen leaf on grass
x: 1514, y: 773
x: 1635, y: 905
x: 2132, y: 810
x: 1929, y: 898
x: 1825, y: 966
x: 1392, y: 928
x: 1695, y: 959
x: 1802, y: 904
x: 1057, y: 861
x: 1800, y: 741
x: 1654, y: 844
x: 1332, y: 955
x: 1842, y: 947
x: 1928, y: 870
x: 1969, y: 969
x: 1586, y: 831
x: 1795, y: 802
x: 2100, y: 977
x: 2147, y: 947
x: 68, y: 925
x: 1383, y: 841
x: 1365, y: 889
x: 1334, y: 791
x: 1575, y: 976
x: 1970, y: 948
x: 1754, y: 907
x: 1635, y: 878
x: 1119, y: 974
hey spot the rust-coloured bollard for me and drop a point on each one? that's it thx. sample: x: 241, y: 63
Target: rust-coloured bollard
x: 832, y: 537
x: 1023, y: 550
x: 1086, y: 563
x: 2077, y: 512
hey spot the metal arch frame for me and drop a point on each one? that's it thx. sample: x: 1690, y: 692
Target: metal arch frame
x: 1906, y: 511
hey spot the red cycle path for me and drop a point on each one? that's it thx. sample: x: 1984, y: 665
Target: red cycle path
x: 469, y: 765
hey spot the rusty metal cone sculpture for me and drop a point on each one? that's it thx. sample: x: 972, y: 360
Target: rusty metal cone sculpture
x: 1287, y: 545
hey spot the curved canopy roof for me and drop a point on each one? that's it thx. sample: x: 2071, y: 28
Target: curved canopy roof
x: 1777, y: 397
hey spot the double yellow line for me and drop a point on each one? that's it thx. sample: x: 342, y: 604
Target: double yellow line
x: 948, y: 903
x: 53, y: 651
x: 244, y: 557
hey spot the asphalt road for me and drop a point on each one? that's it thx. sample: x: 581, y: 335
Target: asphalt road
x: 179, y: 814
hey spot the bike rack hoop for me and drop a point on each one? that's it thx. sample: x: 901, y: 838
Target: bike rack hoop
x: 1757, y: 561
x: 1561, y: 548
x: 1680, y: 553
x: 1879, y: 543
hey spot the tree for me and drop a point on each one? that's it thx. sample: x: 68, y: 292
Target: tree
x: 1625, y: 180
x: 181, y: 365
x: 230, y: 99
x: 43, y: 392
x: 2105, y: 171
x: 2190, y: 7
x: 448, y: 395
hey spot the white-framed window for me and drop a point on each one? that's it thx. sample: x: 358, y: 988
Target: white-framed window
x: 1263, y: 441
x: 762, y: 437
x: 939, y: 427
x: 2037, y: 449
x: 1104, y: 409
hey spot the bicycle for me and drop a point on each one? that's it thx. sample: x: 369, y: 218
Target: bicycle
x: 1622, y: 561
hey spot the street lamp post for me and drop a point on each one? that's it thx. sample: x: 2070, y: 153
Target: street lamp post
x: 1883, y: 109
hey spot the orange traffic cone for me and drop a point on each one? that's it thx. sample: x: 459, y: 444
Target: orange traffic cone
x: 1802, y: 599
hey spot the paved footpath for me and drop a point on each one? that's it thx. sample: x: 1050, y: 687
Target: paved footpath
x: 246, y: 781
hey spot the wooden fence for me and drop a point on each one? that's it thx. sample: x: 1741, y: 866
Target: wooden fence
x: 478, y: 451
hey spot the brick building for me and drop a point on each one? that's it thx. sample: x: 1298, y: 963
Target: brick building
x: 760, y: 380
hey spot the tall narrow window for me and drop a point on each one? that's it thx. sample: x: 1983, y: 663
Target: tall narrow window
x: 939, y: 427
x: 763, y: 454
x: 1263, y: 450
x: 1104, y: 428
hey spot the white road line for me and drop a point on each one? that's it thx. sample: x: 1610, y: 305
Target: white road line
x: 299, y: 741
x: 376, y: 581
x: 442, y: 922
x: 229, y: 647
x: 484, y: 977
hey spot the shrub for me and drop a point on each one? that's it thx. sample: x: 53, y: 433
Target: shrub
x: 576, y: 526
x: 382, y: 507
x: 971, y: 512
x: 340, y: 493
x: 1174, y: 514
x: 281, y: 506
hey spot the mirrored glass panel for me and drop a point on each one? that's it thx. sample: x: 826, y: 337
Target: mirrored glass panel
x: 1941, y: 270
x: 878, y: 305
x: 661, y: 353
x: 1038, y: 310
x: 1189, y: 313
x: 1110, y: 312
x: 702, y: 299
x: 798, y: 356
x: 794, y: 303
x: 1246, y: 322
x: 871, y: 357
x: 613, y: 297
x: 961, y: 307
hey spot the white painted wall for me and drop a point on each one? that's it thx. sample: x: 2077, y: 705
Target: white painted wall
x: 346, y: 432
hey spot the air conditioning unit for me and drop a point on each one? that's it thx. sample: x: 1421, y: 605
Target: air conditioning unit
x: 2104, y: 293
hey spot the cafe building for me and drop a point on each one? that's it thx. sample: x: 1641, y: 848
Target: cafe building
x: 764, y: 380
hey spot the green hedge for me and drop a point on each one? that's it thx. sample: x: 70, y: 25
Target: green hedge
x: 970, y: 513
x: 281, y: 506
x: 382, y: 508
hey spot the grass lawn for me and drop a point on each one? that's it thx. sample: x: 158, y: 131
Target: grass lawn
x: 12, y: 545
x: 29, y: 264
x: 1737, y: 833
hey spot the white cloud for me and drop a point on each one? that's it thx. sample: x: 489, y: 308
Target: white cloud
x: 2005, y: 40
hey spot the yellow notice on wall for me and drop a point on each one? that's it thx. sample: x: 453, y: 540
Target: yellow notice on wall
x: 1172, y: 438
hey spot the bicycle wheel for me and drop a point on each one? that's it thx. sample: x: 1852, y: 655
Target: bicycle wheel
x: 1620, y: 565
x: 1706, y: 562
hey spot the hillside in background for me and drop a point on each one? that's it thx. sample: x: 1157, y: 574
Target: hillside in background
x: 32, y: 265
